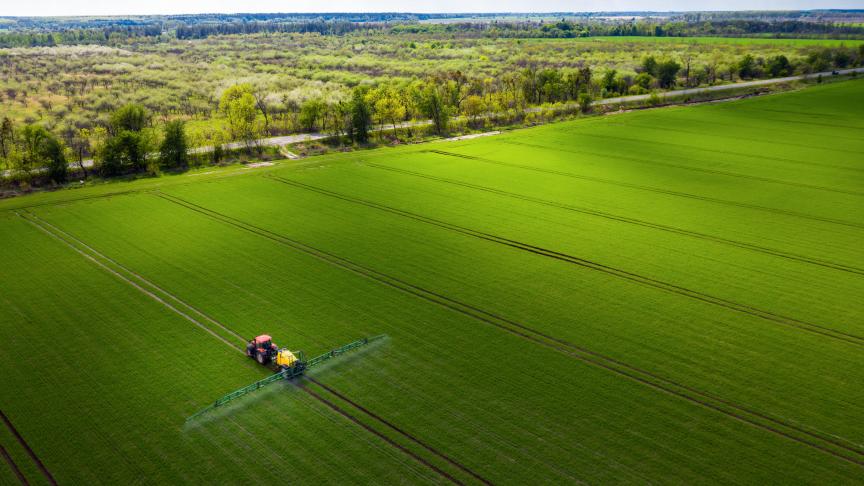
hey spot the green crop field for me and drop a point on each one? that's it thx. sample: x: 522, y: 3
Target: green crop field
x: 722, y: 40
x: 662, y: 296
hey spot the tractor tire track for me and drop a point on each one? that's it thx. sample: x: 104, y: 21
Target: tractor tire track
x: 141, y: 279
x: 784, y: 119
x: 749, y: 139
x: 643, y: 188
x: 239, y: 348
x: 785, y: 132
x: 616, y: 272
x: 628, y: 220
x: 38, y: 224
x: 686, y: 167
x: 829, y: 444
x: 13, y: 466
x: 30, y: 452
x: 388, y: 440
x: 410, y: 437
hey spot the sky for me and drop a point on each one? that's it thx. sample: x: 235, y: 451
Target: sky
x: 121, y: 7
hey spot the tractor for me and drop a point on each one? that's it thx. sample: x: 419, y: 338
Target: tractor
x: 262, y: 349
x: 286, y: 365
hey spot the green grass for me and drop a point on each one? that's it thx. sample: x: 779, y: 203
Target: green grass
x: 724, y: 40
x: 660, y: 296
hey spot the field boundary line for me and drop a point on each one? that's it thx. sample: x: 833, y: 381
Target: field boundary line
x: 26, y: 446
x: 685, y: 167
x: 398, y: 430
x: 13, y: 466
x: 658, y: 190
x: 623, y: 274
x: 628, y: 220
x: 824, y: 442
x: 117, y: 274
x: 797, y: 122
x: 339, y: 410
x: 206, y: 328
x: 735, y: 153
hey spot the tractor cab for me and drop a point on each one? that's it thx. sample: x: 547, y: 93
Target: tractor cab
x: 262, y: 349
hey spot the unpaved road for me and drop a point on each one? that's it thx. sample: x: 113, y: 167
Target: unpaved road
x: 305, y: 137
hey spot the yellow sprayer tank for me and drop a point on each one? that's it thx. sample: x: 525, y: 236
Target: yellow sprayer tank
x: 285, y: 358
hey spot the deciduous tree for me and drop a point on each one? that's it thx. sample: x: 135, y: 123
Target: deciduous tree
x: 173, y: 152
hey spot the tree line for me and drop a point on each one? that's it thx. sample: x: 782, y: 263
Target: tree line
x: 191, y: 28
x: 129, y: 142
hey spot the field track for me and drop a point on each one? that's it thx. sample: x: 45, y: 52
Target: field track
x: 677, y: 166
x: 13, y: 466
x: 559, y: 305
x: 784, y: 320
x: 383, y: 437
x: 27, y: 448
x: 624, y: 219
x: 625, y: 185
x: 164, y: 296
x: 817, y: 440
x: 95, y: 257
x: 412, y: 438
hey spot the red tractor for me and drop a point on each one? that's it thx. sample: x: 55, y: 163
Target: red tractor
x: 262, y: 349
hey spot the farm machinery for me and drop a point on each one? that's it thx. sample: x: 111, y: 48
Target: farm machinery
x: 285, y: 363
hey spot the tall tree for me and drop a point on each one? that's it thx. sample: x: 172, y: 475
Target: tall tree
x: 667, y: 72
x: 7, y: 137
x: 173, y: 152
x: 55, y: 157
x: 131, y: 118
x: 433, y: 107
x: 779, y: 66
x: 361, y: 116
x: 129, y: 143
x: 747, y: 67
x: 33, y: 139
x: 389, y: 108
x: 239, y: 106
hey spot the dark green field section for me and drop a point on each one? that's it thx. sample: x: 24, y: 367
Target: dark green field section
x: 667, y: 296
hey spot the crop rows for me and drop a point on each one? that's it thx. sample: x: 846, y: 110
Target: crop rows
x: 561, y: 305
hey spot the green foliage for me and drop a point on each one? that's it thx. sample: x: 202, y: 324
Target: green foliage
x: 644, y: 80
x: 239, y: 106
x: 311, y: 113
x: 361, y: 117
x: 649, y: 65
x: 779, y: 66
x: 747, y: 67
x: 33, y: 143
x: 173, y: 152
x: 432, y: 106
x: 7, y: 137
x: 667, y: 73
x: 130, y: 117
x: 55, y: 155
x: 126, y: 152
x: 585, y: 102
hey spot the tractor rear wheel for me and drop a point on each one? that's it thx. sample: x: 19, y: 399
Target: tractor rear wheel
x: 261, y: 358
